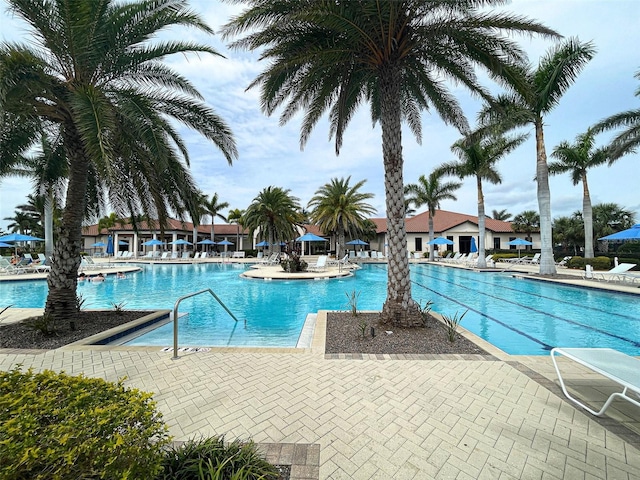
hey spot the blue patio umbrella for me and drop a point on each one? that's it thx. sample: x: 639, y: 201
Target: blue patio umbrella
x: 225, y: 242
x: 122, y: 242
x: 632, y: 233
x: 19, y: 237
x: 440, y: 241
x: 518, y: 242
x: 263, y: 243
x: 5, y: 245
x: 357, y: 241
x: 310, y: 237
x: 206, y: 242
x: 152, y: 242
x: 282, y: 244
x: 474, y: 247
x: 110, y: 245
x: 99, y: 244
x: 181, y: 242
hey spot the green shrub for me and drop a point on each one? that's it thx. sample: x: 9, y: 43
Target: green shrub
x: 597, y: 263
x: 294, y: 264
x: 211, y: 459
x: 56, y: 426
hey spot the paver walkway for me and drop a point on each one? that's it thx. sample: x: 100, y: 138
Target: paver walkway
x: 372, y: 418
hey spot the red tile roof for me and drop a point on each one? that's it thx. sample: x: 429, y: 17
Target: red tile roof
x: 172, y: 225
x: 443, y: 220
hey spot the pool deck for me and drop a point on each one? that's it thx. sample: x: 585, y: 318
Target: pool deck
x: 379, y: 416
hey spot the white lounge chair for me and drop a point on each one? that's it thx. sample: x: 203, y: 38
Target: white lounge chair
x: 380, y: 256
x: 617, y: 366
x: 321, y: 264
x: 615, y: 273
x: 535, y: 260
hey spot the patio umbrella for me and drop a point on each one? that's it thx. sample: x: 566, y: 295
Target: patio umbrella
x: 518, y: 242
x: 474, y: 247
x: 19, y: 237
x: 181, y: 242
x: 263, y: 243
x: 5, y: 245
x: 151, y: 243
x: 310, y: 237
x: 440, y: 241
x: 110, y: 245
x: 632, y: 233
x: 355, y: 242
x: 99, y: 244
x: 206, y: 242
x: 225, y: 242
x: 122, y: 242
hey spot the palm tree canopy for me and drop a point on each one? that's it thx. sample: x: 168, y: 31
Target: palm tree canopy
x: 527, y: 221
x: 337, y: 205
x: 430, y: 191
x: 501, y: 215
x: 275, y: 212
x: 331, y: 56
x: 578, y: 157
x: 628, y: 140
x: 214, y: 207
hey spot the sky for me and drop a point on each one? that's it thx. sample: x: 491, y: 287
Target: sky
x: 270, y: 154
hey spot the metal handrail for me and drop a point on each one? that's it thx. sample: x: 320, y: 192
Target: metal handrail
x: 175, y: 315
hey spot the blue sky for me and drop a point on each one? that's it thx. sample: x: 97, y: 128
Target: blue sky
x: 270, y: 154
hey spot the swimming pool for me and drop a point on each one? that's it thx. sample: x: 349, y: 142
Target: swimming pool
x: 518, y: 316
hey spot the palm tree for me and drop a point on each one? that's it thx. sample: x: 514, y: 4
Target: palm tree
x: 537, y: 93
x: 609, y: 218
x: 21, y: 222
x: 501, y: 215
x: 628, y: 140
x: 568, y: 232
x: 236, y: 216
x: 577, y: 158
x: 478, y: 158
x: 527, y: 222
x: 91, y: 72
x: 430, y: 192
x: 213, y: 208
x: 331, y: 57
x: 340, y: 208
x: 275, y: 213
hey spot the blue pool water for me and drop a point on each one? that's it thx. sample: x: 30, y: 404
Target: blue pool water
x: 521, y: 317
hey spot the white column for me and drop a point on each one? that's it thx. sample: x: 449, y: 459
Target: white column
x: 135, y: 245
x: 174, y: 247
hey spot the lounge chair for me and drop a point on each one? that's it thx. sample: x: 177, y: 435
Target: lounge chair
x: 615, y: 273
x: 321, y: 264
x: 238, y: 254
x: 563, y: 262
x: 380, y: 256
x: 461, y: 259
x: 617, y: 366
x: 7, y: 267
x: 196, y: 256
x: 43, y: 258
x: 203, y: 255
x: 164, y: 256
x: 535, y: 260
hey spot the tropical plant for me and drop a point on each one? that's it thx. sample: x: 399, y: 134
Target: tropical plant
x: 352, y: 302
x: 568, y: 232
x: 478, y: 157
x: 430, y: 191
x: 526, y: 222
x: 213, y: 208
x: 534, y: 94
x: 501, y: 215
x: 339, y: 208
x: 334, y: 56
x: 451, y: 324
x: 275, y: 213
x: 610, y: 218
x: 22, y: 222
x: 628, y: 140
x: 93, y: 73
x: 576, y: 159
x: 236, y: 216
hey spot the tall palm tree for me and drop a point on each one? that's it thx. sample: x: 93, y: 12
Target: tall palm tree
x: 331, y: 57
x: 501, y: 215
x: 609, y: 218
x: 527, y: 222
x: 539, y: 91
x: 576, y: 159
x: 92, y: 71
x: 628, y: 140
x: 478, y: 158
x: 340, y: 208
x: 430, y: 191
x: 21, y: 222
x: 275, y: 213
x: 236, y: 216
x: 213, y: 208
x: 568, y: 232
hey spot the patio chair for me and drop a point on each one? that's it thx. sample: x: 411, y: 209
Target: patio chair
x: 617, y: 366
x: 164, y: 256
x: 563, y: 262
x: 380, y: 256
x: 535, y: 260
x: 203, y: 255
x: 196, y: 256
x: 321, y: 264
x: 614, y: 273
x: 7, y: 267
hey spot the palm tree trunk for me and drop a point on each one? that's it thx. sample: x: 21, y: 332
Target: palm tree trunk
x: 587, y: 215
x: 65, y: 260
x: 481, y: 226
x: 340, y: 246
x: 431, y: 246
x: 547, y: 263
x: 48, y: 223
x: 399, y: 308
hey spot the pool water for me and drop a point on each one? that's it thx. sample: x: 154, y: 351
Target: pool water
x: 521, y: 317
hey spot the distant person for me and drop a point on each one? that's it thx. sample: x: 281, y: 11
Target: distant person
x: 120, y: 275
x: 82, y: 276
x: 98, y: 278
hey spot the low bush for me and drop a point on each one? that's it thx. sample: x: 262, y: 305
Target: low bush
x: 597, y: 263
x: 212, y: 459
x: 56, y: 426
x: 294, y: 264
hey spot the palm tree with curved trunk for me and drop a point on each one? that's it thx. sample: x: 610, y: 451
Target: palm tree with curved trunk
x: 628, y: 140
x: 331, y: 57
x: 502, y: 215
x: 478, y: 158
x: 94, y: 70
x: 276, y: 213
x: 576, y: 159
x: 535, y: 95
x: 213, y: 208
x: 236, y: 216
x: 430, y: 191
x: 340, y: 208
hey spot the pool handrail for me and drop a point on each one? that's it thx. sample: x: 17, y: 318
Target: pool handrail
x: 175, y: 315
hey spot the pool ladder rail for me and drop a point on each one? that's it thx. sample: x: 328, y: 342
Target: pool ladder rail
x: 175, y: 315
